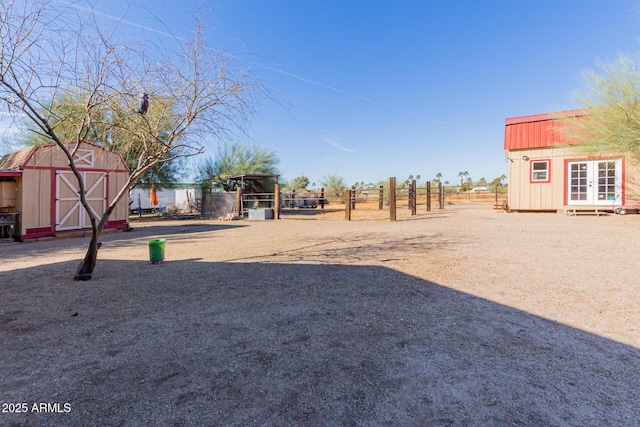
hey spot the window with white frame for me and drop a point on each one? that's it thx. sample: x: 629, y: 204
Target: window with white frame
x: 540, y: 171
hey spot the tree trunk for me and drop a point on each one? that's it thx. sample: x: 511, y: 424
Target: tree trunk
x: 85, y: 269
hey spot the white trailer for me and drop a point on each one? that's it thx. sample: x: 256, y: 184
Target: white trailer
x: 182, y: 198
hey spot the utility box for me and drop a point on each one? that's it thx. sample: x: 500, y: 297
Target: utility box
x: 260, y: 214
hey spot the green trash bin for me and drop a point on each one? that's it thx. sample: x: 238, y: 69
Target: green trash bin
x: 156, y: 250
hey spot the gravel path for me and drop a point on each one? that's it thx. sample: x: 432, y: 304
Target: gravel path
x: 461, y: 317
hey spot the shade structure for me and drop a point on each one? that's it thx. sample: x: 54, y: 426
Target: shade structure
x: 153, y: 197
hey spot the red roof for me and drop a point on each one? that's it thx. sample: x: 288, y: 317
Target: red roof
x: 537, y: 131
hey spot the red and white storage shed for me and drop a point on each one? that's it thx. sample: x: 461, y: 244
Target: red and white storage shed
x: 548, y: 173
x: 38, y: 184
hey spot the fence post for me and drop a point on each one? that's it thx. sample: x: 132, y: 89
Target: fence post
x: 239, y: 201
x: 353, y: 197
x: 428, y: 196
x: 322, y: 198
x: 276, y: 201
x: 392, y: 198
x: 203, y: 202
x: 381, y: 198
x: 443, y: 196
x: 347, y: 205
x: 440, y: 196
x: 414, y: 197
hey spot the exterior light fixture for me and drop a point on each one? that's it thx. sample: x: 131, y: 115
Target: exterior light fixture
x: 525, y: 158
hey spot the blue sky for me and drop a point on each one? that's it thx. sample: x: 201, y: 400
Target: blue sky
x: 393, y: 88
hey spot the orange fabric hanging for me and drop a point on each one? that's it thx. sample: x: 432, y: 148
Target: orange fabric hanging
x: 154, y: 197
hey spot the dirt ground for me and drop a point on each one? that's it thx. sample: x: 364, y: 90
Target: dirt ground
x: 461, y: 317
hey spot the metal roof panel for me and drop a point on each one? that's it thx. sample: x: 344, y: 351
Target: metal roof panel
x: 537, y: 131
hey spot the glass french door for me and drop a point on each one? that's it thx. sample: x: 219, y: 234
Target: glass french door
x: 595, y: 182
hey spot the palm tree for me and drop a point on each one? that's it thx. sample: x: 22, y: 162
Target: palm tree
x: 462, y: 174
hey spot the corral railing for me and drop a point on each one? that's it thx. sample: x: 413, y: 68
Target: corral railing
x: 303, y: 199
x: 412, y: 198
x: 257, y: 201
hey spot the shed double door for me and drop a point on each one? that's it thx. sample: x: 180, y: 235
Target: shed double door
x: 70, y: 214
x: 595, y: 182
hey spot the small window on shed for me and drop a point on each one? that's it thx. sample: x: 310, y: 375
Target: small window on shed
x: 540, y: 171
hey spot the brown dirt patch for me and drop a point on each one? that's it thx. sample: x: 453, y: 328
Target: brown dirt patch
x: 465, y: 316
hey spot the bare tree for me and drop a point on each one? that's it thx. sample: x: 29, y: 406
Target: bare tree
x: 191, y: 93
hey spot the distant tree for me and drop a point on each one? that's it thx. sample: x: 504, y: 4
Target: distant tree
x: 462, y: 174
x: 418, y: 179
x: 236, y: 159
x: 611, y: 100
x: 497, y: 182
x: 438, y: 177
x: 334, y: 184
x: 300, y: 183
x: 482, y: 182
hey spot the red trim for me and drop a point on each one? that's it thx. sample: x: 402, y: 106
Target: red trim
x: 623, y: 172
x: 119, y: 223
x: 28, y: 159
x: 545, y: 116
x: 531, y: 162
x: 68, y: 169
x: 10, y: 173
x: 623, y: 190
x: 38, y: 147
x: 35, y: 233
x: 52, y: 199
